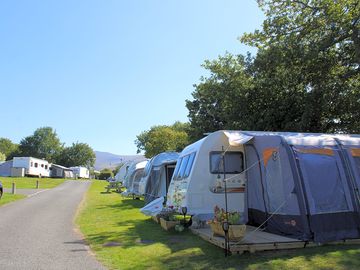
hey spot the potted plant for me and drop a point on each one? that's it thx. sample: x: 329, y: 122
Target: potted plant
x: 168, y: 219
x: 236, y: 229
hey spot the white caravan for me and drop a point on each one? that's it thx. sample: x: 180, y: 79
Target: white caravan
x: 33, y: 166
x: 121, y: 174
x: 197, y: 182
x: 135, y: 172
x: 157, y: 176
x: 81, y: 172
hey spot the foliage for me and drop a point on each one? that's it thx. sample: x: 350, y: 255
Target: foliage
x: 305, y: 76
x: 2, y: 157
x: 139, y: 243
x: 162, y: 138
x: 8, y: 148
x: 79, y: 154
x: 105, y: 174
x: 44, y: 143
x: 220, y: 216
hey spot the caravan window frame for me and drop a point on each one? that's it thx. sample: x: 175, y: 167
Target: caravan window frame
x: 183, y: 170
x: 219, y: 171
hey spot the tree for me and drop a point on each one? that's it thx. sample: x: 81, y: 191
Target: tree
x: 105, y: 174
x: 44, y: 143
x: 162, y: 138
x: 305, y: 76
x: 7, y: 147
x: 317, y: 43
x: 2, y: 157
x: 79, y: 154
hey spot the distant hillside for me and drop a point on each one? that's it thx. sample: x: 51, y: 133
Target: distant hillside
x: 109, y: 160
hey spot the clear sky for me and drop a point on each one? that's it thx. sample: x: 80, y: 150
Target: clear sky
x: 100, y: 72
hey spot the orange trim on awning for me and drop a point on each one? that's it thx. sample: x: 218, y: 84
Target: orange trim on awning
x: 355, y: 152
x: 318, y: 151
x: 267, y: 154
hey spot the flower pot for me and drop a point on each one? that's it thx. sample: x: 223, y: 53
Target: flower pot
x: 156, y: 219
x: 236, y: 232
x: 167, y: 225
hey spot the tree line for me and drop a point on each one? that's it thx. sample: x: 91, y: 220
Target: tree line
x: 44, y: 143
x: 305, y: 77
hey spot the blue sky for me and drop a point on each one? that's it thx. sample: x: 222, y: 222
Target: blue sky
x: 100, y: 72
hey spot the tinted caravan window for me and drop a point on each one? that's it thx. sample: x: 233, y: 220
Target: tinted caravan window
x: 184, y: 163
x: 189, y: 165
x: 234, y: 162
x: 178, y: 164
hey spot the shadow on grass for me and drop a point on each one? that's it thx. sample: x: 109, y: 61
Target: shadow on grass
x: 188, y: 251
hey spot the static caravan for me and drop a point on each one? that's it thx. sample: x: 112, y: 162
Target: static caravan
x: 32, y: 166
x: 58, y: 171
x: 80, y: 172
x: 158, y: 177
x: 301, y: 185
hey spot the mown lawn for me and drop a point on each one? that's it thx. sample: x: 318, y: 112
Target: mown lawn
x: 123, y: 238
x: 29, y: 182
x: 7, y: 198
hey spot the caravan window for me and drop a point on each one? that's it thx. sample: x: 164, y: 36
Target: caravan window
x: 31, y: 164
x: 184, y: 162
x: 46, y: 167
x: 183, y: 166
x: 36, y: 165
x: 189, y: 165
x: 234, y: 162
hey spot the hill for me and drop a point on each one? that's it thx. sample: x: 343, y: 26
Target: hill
x: 109, y: 160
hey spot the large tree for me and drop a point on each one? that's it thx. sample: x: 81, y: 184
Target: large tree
x: 44, y: 143
x: 7, y: 147
x: 162, y: 138
x: 79, y: 154
x: 305, y: 76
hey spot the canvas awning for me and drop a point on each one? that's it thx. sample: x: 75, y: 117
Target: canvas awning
x: 237, y: 138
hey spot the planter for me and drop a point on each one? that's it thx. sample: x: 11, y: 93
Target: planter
x: 168, y: 225
x: 236, y: 232
x: 156, y: 219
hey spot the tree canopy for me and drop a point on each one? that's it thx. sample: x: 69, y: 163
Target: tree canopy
x: 7, y: 147
x: 44, y: 143
x: 162, y: 138
x: 79, y: 154
x: 305, y: 76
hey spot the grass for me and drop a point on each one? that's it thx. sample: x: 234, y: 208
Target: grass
x: 133, y: 241
x: 8, y: 198
x: 28, y: 182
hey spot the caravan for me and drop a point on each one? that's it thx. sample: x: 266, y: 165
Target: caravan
x: 22, y: 166
x: 157, y: 176
x: 305, y: 186
x: 133, y: 176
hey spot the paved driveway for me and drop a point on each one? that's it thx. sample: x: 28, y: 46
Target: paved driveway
x: 25, y: 191
x: 38, y: 232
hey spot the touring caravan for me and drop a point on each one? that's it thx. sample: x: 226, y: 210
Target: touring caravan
x: 58, y: 171
x: 135, y: 172
x: 302, y: 185
x: 32, y: 166
x: 156, y: 180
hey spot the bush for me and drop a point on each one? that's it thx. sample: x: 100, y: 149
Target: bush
x: 105, y: 174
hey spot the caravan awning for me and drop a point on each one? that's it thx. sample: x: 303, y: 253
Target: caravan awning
x: 237, y: 138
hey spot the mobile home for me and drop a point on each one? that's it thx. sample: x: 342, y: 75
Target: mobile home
x: 32, y: 166
x: 302, y: 185
x: 157, y: 176
x: 81, y: 172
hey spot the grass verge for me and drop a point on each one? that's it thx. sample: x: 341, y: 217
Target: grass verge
x: 8, y: 198
x: 28, y: 182
x: 123, y: 238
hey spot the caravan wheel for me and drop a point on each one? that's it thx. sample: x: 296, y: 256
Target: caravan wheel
x: 1, y: 193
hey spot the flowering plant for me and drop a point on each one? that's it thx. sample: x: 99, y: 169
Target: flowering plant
x: 220, y: 216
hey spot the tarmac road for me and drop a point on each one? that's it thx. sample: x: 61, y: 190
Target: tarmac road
x: 37, y: 233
